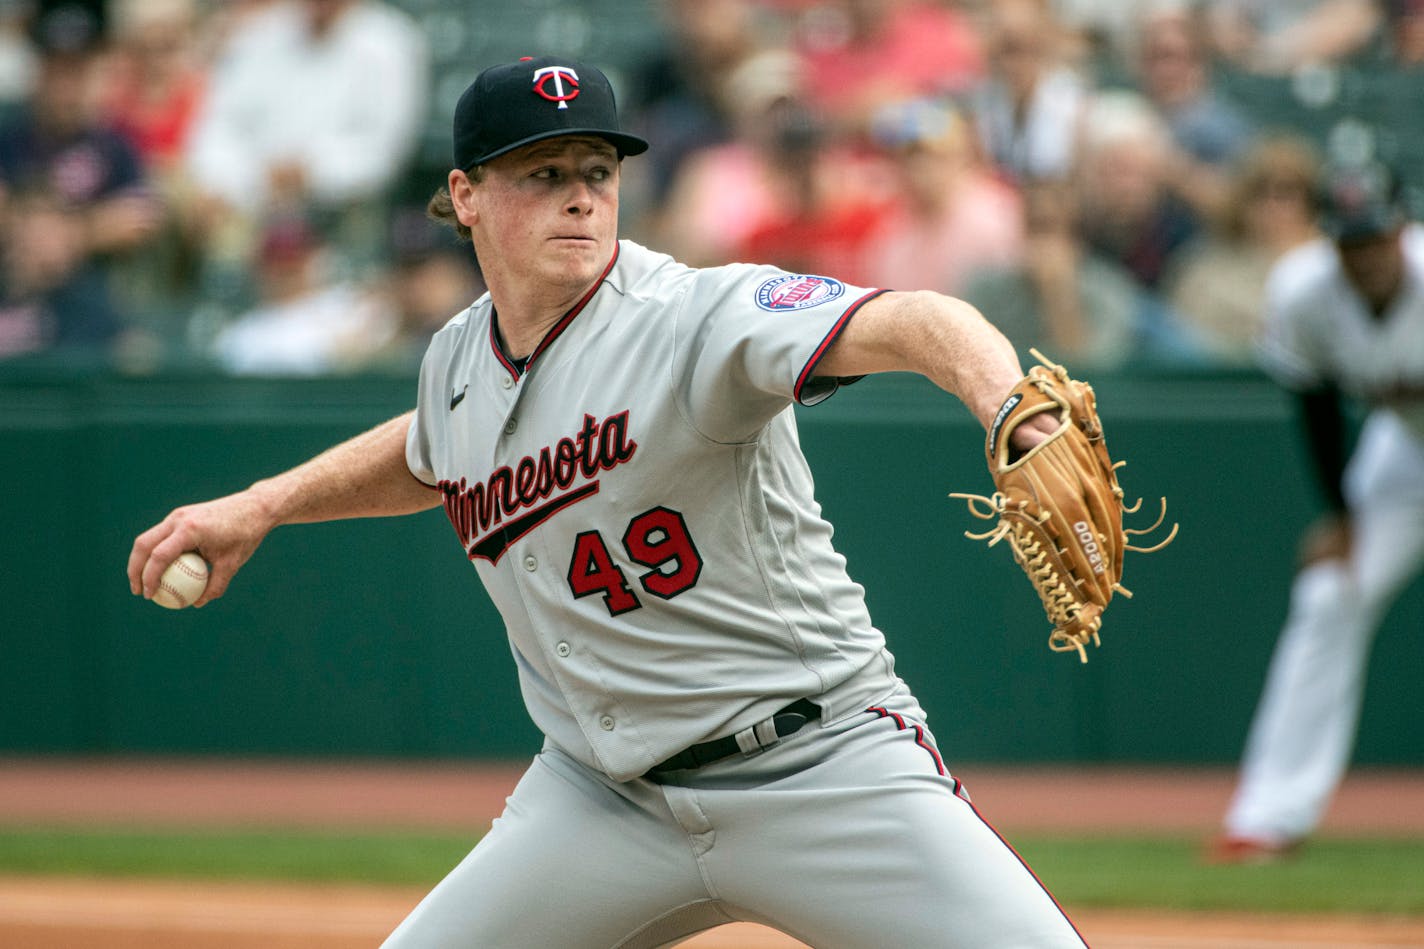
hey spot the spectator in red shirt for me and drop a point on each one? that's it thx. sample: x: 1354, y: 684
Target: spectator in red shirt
x: 778, y: 176
x: 154, y: 83
x: 952, y: 216
x: 859, y: 54
x: 820, y: 227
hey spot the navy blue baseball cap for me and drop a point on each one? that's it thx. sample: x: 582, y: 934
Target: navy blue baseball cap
x: 518, y: 103
x: 1359, y: 202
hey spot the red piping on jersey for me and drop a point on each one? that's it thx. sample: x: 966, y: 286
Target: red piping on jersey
x: 558, y: 327
x: 963, y: 795
x: 499, y: 350
x: 830, y: 338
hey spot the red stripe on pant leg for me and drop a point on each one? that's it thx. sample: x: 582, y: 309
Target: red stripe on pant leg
x: 919, y: 737
x: 920, y: 740
x: 893, y: 716
x: 1024, y: 863
x: 963, y: 795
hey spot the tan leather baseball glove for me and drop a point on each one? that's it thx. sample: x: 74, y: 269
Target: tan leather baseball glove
x: 1060, y: 505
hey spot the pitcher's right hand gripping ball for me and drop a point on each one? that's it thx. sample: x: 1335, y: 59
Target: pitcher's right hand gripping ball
x: 1060, y: 505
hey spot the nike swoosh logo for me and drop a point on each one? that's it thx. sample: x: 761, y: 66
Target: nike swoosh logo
x: 457, y: 398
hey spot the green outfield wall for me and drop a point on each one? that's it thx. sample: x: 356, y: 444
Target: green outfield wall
x: 373, y: 638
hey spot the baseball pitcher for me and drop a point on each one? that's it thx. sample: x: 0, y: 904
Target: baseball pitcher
x: 611, y: 434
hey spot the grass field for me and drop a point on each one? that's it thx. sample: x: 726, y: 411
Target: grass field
x: 1330, y: 875
x: 1372, y: 876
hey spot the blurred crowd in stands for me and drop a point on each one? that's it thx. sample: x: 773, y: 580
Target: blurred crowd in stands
x: 240, y: 183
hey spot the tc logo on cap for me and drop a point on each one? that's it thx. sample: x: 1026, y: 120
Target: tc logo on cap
x: 558, y: 75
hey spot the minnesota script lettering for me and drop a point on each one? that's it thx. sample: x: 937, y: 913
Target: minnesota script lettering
x: 492, y: 514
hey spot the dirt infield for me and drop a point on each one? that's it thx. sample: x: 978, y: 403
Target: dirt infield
x: 126, y: 914
x: 462, y: 795
x: 108, y: 914
x: 62, y: 914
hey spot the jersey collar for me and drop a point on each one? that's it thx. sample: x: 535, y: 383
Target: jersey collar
x: 512, y: 367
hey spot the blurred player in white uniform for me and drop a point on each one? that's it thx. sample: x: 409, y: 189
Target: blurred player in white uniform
x: 1347, y: 324
x: 612, y: 436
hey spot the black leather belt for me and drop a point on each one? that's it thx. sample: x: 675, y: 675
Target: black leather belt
x: 785, y: 722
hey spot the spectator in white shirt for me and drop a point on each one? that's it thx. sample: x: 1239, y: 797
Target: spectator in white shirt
x: 1030, y: 109
x: 314, y: 107
x: 307, y: 320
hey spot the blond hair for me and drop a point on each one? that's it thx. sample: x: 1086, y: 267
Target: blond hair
x: 441, y: 206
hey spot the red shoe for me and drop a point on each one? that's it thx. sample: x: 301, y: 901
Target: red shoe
x: 1231, y: 850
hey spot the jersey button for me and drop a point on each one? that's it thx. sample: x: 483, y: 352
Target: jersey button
x: 563, y: 649
x: 530, y: 563
x: 510, y: 426
x: 606, y: 723
x: 506, y: 382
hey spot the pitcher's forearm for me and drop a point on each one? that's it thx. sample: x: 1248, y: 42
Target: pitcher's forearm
x: 365, y: 476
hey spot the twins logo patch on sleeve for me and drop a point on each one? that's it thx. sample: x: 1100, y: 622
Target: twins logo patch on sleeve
x: 797, y: 292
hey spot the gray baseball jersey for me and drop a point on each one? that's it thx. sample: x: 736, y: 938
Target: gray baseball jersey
x: 639, y: 509
x: 637, y: 505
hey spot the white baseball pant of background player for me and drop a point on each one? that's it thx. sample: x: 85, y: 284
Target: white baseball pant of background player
x: 1304, y: 728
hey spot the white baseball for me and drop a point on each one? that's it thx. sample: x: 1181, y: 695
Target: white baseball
x: 183, y: 582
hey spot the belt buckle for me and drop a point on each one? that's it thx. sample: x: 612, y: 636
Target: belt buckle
x: 749, y: 741
x: 768, y: 732
x: 757, y: 738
